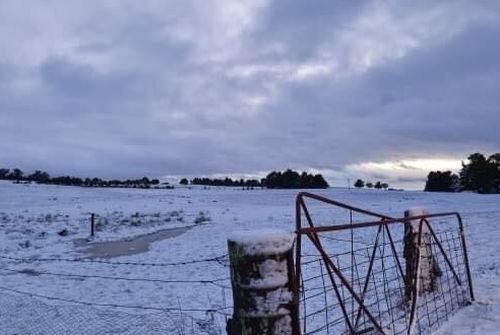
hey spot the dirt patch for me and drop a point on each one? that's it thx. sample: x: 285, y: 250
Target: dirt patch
x: 129, y: 246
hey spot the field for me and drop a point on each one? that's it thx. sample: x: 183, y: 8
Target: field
x: 176, y: 240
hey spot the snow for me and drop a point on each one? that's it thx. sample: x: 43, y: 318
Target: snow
x: 32, y: 215
x: 416, y: 211
x: 263, y: 241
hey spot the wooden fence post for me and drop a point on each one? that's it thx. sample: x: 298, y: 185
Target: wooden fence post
x: 265, y: 291
x: 92, y: 225
x: 429, y: 270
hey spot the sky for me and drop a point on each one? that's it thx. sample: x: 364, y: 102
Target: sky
x: 378, y: 90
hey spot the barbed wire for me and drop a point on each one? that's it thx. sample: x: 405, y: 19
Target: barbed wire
x: 137, y: 307
x: 219, y: 259
x: 215, y: 282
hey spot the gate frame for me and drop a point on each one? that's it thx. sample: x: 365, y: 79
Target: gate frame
x: 383, y: 223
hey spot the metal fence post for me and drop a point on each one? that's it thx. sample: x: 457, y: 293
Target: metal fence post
x: 265, y: 291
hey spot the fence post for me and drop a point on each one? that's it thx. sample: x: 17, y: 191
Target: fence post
x: 429, y: 270
x: 265, y: 290
x: 92, y: 224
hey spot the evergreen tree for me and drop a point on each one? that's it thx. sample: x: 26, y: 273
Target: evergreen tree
x: 480, y: 174
x: 359, y: 183
x: 16, y: 174
x: 39, y: 177
x: 438, y: 181
x: 4, y: 173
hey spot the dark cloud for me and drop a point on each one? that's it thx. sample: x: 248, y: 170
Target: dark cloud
x: 124, y: 90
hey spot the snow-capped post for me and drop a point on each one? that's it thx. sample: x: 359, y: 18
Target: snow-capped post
x: 424, y: 280
x: 265, y: 291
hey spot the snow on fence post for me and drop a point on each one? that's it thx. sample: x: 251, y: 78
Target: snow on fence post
x: 265, y: 291
x: 429, y: 270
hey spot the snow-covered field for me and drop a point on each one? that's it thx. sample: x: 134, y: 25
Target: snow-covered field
x: 44, y: 221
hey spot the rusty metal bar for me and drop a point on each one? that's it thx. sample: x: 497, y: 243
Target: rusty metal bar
x: 339, y: 204
x: 294, y: 285
x: 393, y: 248
x: 315, y: 239
x: 298, y: 252
x: 370, y: 266
x: 388, y: 221
x: 466, y: 255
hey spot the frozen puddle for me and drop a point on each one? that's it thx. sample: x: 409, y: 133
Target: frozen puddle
x: 129, y: 246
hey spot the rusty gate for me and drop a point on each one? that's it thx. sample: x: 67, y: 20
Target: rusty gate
x: 356, y: 274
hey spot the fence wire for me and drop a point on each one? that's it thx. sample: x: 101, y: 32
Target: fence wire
x: 34, y: 311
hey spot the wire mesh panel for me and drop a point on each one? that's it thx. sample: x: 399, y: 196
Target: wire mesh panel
x: 354, y: 274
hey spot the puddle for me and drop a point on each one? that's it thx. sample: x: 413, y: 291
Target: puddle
x: 126, y: 247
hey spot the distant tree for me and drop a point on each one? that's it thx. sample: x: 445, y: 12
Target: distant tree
x: 319, y: 182
x: 291, y: 179
x: 184, y: 181
x: 385, y: 186
x: 438, y: 181
x: 111, y: 183
x: 378, y: 185
x: 4, y: 173
x: 359, y: 183
x: 43, y: 177
x: 480, y: 174
x: 369, y: 184
x: 16, y: 174
x: 494, y: 160
x: 39, y: 177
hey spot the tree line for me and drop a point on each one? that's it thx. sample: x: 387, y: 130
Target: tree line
x: 42, y: 177
x: 288, y: 179
x: 479, y: 174
x: 378, y: 185
x: 250, y: 183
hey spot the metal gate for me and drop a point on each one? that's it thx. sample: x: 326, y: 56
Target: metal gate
x: 357, y: 277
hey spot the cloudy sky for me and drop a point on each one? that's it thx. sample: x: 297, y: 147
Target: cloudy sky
x: 379, y: 90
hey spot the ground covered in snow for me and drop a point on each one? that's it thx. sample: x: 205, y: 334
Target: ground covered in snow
x: 186, y: 273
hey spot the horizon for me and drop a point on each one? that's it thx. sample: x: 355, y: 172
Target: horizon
x: 410, y: 184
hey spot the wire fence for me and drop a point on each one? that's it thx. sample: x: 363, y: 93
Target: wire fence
x: 28, y: 311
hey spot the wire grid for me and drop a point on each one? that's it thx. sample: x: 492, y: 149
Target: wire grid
x: 37, y: 312
x: 26, y: 315
x: 328, y: 309
x: 450, y: 294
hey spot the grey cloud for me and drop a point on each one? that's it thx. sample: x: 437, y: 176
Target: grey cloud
x: 300, y: 27
x: 136, y: 94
